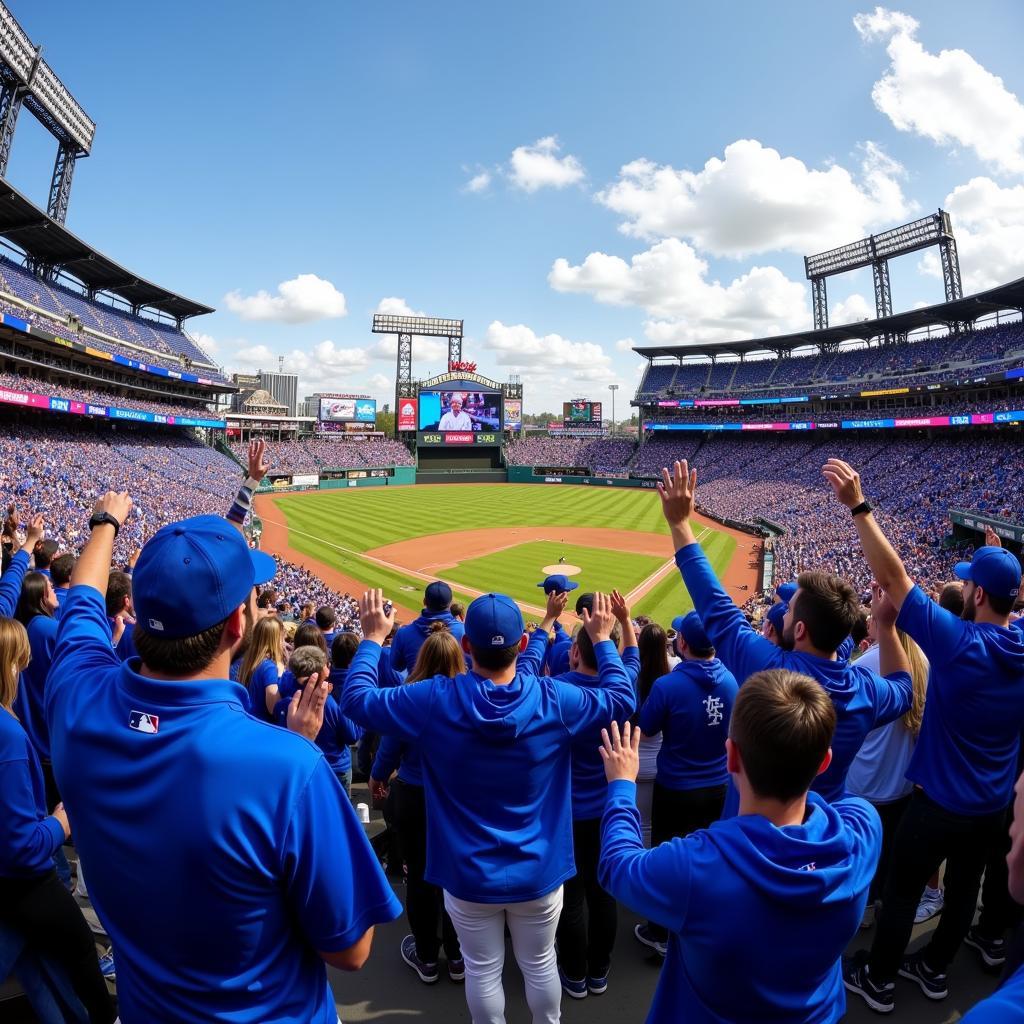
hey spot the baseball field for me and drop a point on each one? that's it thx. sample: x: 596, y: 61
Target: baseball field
x: 502, y: 537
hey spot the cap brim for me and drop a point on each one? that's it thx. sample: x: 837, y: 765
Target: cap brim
x: 963, y: 570
x: 571, y: 586
x: 677, y: 622
x: 263, y: 566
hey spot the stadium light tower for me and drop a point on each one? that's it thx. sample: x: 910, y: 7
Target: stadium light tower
x: 613, y: 388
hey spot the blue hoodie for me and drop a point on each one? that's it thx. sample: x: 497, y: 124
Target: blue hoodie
x: 556, y: 657
x: 691, y: 707
x: 393, y: 753
x: 506, y: 834
x: 863, y: 699
x: 966, y: 753
x: 758, y: 916
x: 1006, y: 1006
x: 409, y: 639
x: 29, y: 705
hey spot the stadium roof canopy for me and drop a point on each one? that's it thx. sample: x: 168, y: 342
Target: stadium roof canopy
x: 1005, y: 296
x: 49, y: 243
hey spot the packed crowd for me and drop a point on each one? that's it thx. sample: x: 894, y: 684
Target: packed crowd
x: 569, y: 451
x: 928, y: 360
x: 758, y: 796
x: 310, y: 455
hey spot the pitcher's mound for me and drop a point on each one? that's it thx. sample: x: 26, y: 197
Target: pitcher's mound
x: 565, y: 570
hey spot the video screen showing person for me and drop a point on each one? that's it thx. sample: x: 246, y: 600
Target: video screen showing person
x: 460, y: 410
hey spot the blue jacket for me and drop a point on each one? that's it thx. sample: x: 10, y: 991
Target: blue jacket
x: 966, y: 753
x: 556, y: 657
x: 334, y: 736
x: 507, y: 837
x: 29, y: 837
x: 758, y: 916
x: 691, y: 707
x: 409, y: 639
x: 29, y: 705
x: 863, y: 699
x: 260, y: 858
x: 393, y: 753
x: 1006, y: 1006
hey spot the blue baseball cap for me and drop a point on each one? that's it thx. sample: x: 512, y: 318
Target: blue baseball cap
x: 995, y: 570
x: 785, y: 591
x: 437, y: 596
x: 494, y: 620
x: 776, y: 614
x: 193, y: 574
x: 691, y: 629
x: 557, y: 584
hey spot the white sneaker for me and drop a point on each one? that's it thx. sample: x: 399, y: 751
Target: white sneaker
x: 931, y: 904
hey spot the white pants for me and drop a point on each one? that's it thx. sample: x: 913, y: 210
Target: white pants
x: 481, y: 931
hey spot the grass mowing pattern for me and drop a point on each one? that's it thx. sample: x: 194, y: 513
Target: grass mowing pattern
x: 669, y: 597
x: 516, y: 571
x: 334, y: 526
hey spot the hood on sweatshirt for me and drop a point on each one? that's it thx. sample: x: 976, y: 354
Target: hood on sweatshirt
x: 1005, y: 646
x: 501, y: 712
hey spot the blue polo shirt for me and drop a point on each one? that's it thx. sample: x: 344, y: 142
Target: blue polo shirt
x: 863, y: 699
x: 29, y: 706
x: 691, y: 707
x: 29, y: 838
x: 263, y: 675
x: 223, y: 853
x: 758, y: 915
x: 966, y: 753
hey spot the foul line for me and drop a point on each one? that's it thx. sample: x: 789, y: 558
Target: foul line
x: 646, y: 586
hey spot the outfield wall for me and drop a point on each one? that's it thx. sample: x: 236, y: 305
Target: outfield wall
x: 525, y: 475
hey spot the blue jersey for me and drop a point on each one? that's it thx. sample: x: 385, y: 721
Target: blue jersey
x: 223, y: 853
x: 29, y: 706
x: 966, y: 753
x: 863, y: 699
x: 508, y: 837
x: 758, y: 916
x: 691, y: 707
x: 28, y: 838
x: 264, y: 675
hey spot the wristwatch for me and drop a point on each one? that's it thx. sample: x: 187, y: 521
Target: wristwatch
x: 104, y: 517
x: 859, y: 509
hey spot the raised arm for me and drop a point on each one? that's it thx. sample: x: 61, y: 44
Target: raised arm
x: 93, y: 566
x: 10, y: 582
x: 531, y: 661
x: 630, y: 649
x: 886, y: 566
x: 258, y: 466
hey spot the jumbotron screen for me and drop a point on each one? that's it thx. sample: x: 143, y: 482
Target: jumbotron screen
x: 348, y: 410
x: 459, y: 417
x: 580, y: 413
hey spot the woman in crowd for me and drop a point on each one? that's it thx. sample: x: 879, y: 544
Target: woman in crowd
x: 263, y: 665
x: 440, y: 655
x: 32, y: 899
x: 37, y: 606
x: 653, y: 644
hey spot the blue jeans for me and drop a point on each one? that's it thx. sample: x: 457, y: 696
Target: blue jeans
x: 345, y: 778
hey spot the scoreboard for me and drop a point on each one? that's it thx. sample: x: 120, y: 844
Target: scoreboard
x: 580, y: 413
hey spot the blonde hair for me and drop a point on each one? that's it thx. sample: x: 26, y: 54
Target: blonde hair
x: 919, y: 677
x: 267, y: 645
x: 15, y: 655
x: 440, y: 655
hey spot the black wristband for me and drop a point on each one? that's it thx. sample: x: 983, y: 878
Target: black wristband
x: 104, y: 517
x: 859, y: 509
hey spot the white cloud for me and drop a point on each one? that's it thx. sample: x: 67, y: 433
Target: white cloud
x: 539, y: 166
x: 755, y: 200
x: 479, y: 182
x: 988, y: 222
x: 850, y: 310
x: 381, y: 383
x: 624, y: 345
x: 427, y: 353
x: 206, y: 342
x: 669, y: 281
x: 947, y: 97
x: 301, y: 300
x: 396, y: 306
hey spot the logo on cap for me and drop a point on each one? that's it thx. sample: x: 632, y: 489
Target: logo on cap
x: 157, y: 625
x: 498, y: 641
x: 143, y: 721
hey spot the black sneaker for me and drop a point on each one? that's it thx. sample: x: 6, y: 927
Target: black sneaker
x: 575, y: 989
x: 881, y: 998
x: 643, y: 935
x: 932, y: 983
x: 992, y: 951
x: 457, y: 969
x: 428, y: 973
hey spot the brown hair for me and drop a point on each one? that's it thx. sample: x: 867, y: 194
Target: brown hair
x: 440, y: 655
x: 782, y: 723
x: 32, y: 599
x: 828, y: 606
x: 653, y: 644
x: 586, y: 646
x: 119, y: 586
x: 343, y: 650
x: 181, y: 657
x: 309, y: 635
x: 15, y: 655
x: 267, y: 645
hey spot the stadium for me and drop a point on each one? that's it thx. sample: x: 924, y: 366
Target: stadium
x: 105, y: 387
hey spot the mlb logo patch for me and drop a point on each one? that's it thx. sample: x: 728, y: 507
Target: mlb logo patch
x: 143, y: 721
x: 497, y: 641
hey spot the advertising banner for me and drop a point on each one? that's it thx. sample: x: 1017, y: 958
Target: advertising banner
x: 309, y: 480
x: 407, y: 414
x: 514, y: 414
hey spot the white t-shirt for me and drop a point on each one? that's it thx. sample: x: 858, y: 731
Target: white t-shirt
x: 449, y: 421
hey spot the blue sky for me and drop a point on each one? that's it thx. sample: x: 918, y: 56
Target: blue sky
x: 540, y: 170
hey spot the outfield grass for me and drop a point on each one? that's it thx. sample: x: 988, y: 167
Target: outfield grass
x: 516, y: 571
x: 336, y: 527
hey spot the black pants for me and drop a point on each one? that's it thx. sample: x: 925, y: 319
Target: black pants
x: 424, y: 903
x: 891, y: 815
x: 676, y: 813
x: 590, y: 918
x: 999, y: 911
x: 47, y: 915
x: 927, y: 836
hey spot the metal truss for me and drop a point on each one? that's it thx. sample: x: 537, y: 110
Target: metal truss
x: 883, y: 291
x: 950, y: 268
x: 60, y: 183
x: 819, y: 299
